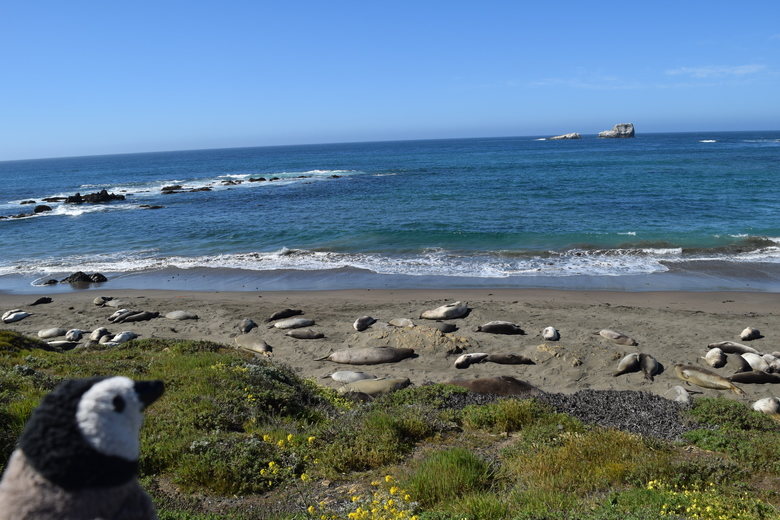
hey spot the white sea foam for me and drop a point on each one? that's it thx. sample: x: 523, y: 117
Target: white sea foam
x: 541, y: 139
x: 630, y: 233
x: 708, y: 141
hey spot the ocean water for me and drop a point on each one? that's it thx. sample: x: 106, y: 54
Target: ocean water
x: 688, y: 210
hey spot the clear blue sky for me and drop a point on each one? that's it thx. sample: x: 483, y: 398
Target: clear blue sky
x: 82, y: 78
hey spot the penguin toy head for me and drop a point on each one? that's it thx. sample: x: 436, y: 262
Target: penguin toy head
x: 85, y: 434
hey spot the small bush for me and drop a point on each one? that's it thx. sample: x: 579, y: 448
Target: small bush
x: 506, y: 415
x: 447, y: 474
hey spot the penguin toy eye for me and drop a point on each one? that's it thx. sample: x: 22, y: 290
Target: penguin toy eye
x: 119, y: 404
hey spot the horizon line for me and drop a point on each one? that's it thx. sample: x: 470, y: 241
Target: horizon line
x: 333, y: 143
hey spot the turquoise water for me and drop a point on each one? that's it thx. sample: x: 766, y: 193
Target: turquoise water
x: 501, y: 209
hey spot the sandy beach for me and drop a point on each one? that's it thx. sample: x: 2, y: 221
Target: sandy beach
x: 674, y: 327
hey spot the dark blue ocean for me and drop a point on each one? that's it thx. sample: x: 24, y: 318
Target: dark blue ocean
x: 694, y: 211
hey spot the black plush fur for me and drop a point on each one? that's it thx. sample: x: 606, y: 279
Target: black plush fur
x: 54, y: 446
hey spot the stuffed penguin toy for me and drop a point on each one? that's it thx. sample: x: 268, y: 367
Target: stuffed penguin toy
x: 77, y: 458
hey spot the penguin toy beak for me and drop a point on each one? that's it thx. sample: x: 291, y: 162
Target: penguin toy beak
x: 149, y: 391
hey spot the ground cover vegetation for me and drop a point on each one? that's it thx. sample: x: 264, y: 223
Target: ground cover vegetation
x: 240, y: 437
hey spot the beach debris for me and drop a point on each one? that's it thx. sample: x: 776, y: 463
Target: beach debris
x: 715, y: 358
x: 755, y: 377
x: 304, y: 334
x: 51, y: 333
x: 500, y: 327
x: 293, y: 323
x: 253, y: 343
x: 618, y: 337
x: 449, y: 311
x: 41, y: 301
x: 509, y: 359
x: 444, y: 327
x: 650, y: 366
x: 74, y: 335
x: 750, y: 333
x: 182, y: 315
x: 679, y: 394
x: 755, y: 361
x: 499, y: 385
x: 374, y: 387
x: 284, y: 313
x: 730, y: 347
x: 767, y: 405
x: 99, y: 333
x: 629, y: 363
x: 368, y: 355
x: 401, y: 323
x: 363, y: 322
x: 14, y: 315
x: 348, y: 376
x: 551, y: 334
x: 705, y: 379
x: 466, y: 360
x: 246, y: 325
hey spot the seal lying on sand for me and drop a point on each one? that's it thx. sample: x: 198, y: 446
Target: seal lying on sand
x: 363, y: 322
x: 500, y: 327
x: 348, y: 376
x: 293, y: 323
x: 375, y: 386
x: 649, y: 366
x: 509, y: 359
x: 450, y: 311
x: 253, y: 343
x: 284, y: 313
x: 14, y: 315
x: 369, y: 355
x: 749, y: 334
x: 715, y: 358
x: 304, y: 334
x: 705, y: 379
x: 730, y: 347
x: 466, y: 360
x: 618, y: 337
x: 551, y: 334
x: 629, y: 363
x: 755, y: 377
x: 500, y: 385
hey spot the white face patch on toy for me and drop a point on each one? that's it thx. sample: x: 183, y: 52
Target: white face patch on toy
x: 109, y: 416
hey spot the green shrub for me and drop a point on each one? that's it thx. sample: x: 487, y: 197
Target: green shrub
x: 729, y: 414
x: 447, y: 474
x: 757, y: 449
x: 505, y: 415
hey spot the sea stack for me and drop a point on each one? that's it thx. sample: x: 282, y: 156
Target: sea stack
x: 619, y: 130
x: 573, y: 135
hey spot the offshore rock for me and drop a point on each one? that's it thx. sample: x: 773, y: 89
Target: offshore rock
x: 573, y: 135
x: 93, y: 198
x: 619, y: 130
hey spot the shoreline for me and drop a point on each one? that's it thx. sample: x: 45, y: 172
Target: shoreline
x: 674, y: 327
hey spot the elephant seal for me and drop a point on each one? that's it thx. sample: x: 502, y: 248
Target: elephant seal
x: 375, y: 387
x: 500, y: 327
x: 293, y: 323
x: 41, y: 301
x: 551, y: 334
x: 740, y: 363
x: 182, y: 315
x: 755, y: 361
x: 51, y: 333
x: 445, y: 328
x: 253, y: 343
x: 629, y: 363
x: 466, y: 360
x: 304, y: 334
x: 449, y: 311
x: 729, y: 347
x: 124, y: 337
x: 63, y: 344
x: 404, y: 323
x: 755, y: 377
x: 120, y: 314
x: 284, y: 313
x: 246, y: 325
x: 649, y: 365
x: 369, y: 355
x: 715, y: 358
x: 114, y: 303
x: 509, y: 359
x: 99, y: 333
x: 74, y: 335
x: 14, y: 315
x: 705, y: 379
x: 679, y: 394
x: 100, y: 301
x: 348, y: 376
x: 138, y: 316
x: 618, y: 337
x: 767, y: 405
x: 363, y: 322
x: 500, y: 385
x: 750, y: 334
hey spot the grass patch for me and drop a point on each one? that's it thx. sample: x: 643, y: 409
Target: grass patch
x: 505, y: 415
x: 448, y: 475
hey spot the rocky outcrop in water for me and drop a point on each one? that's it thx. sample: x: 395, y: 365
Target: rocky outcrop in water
x: 573, y: 135
x: 93, y: 198
x: 619, y: 130
x: 81, y: 277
